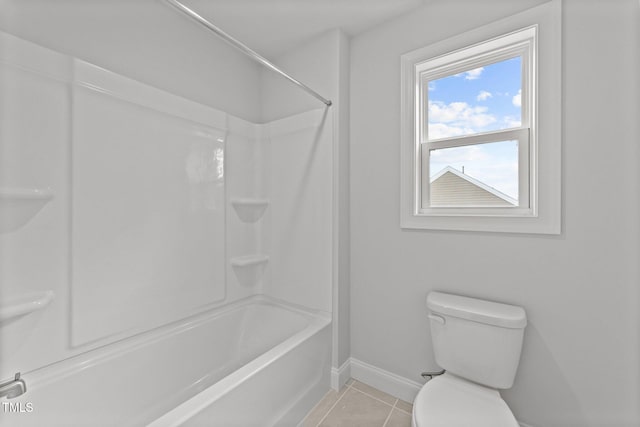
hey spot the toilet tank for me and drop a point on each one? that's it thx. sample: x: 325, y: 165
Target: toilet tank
x: 476, y: 339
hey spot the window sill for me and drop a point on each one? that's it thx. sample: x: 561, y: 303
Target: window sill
x: 502, y: 224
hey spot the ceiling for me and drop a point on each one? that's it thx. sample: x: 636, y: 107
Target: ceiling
x: 271, y: 27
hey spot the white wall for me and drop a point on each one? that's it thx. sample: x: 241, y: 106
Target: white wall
x: 315, y: 63
x: 146, y: 40
x: 580, y: 361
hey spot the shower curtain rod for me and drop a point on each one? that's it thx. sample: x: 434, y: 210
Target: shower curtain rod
x: 243, y: 48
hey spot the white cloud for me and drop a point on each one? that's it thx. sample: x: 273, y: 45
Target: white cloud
x: 511, y: 122
x: 484, y: 95
x: 457, y: 118
x: 441, y: 130
x: 517, y: 99
x: 473, y: 74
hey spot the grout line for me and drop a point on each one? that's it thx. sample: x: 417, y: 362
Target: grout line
x: 350, y: 386
x: 401, y: 410
x: 373, y: 397
x: 334, y: 405
x: 316, y: 405
x: 390, y: 412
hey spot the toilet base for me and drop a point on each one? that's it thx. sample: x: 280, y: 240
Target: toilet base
x: 448, y: 401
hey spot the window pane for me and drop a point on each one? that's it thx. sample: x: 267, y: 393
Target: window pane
x: 479, y: 100
x: 474, y: 175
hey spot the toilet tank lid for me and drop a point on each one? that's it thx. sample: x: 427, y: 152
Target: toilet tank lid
x: 477, y: 310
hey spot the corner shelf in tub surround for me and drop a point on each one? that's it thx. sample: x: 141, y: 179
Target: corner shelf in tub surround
x: 25, y: 304
x: 249, y: 268
x: 249, y: 209
x: 249, y: 260
x: 19, y: 205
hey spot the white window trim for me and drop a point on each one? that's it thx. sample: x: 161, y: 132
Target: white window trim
x: 544, y: 214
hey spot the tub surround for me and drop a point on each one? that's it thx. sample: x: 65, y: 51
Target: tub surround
x: 254, y: 340
x: 165, y: 210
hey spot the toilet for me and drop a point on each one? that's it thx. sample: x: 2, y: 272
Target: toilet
x: 478, y: 343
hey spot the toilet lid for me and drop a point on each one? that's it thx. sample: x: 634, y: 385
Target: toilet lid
x: 448, y: 401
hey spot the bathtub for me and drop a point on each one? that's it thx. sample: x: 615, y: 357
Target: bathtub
x: 256, y: 362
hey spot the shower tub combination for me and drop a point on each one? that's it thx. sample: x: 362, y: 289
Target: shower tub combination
x: 147, y: 326
x: 256, y: 362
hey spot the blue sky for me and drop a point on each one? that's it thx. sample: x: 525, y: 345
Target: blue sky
x: 479, y: 100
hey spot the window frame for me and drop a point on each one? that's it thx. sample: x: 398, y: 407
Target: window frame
x: 539, y: 139
x: 521, y: 43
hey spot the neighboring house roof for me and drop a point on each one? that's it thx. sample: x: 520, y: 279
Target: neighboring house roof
x: 450, y: 187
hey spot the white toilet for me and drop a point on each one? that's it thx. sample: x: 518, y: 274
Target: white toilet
x: 478, y: 343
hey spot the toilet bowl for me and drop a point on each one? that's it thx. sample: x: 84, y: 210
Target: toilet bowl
x: 448, y: 401
x: 478, y: 343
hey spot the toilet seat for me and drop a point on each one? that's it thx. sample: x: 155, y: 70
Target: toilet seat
x: 450, y: 401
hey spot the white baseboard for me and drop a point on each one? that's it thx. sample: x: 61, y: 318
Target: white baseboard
x: 390, y: 383
x: 341, y: 375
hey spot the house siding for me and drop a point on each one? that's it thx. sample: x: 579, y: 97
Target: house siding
x: 451, y: 190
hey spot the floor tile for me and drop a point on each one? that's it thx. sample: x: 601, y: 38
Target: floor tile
x: 387, y: 398
x: 320, y: 410
x: 398, y: 419
x: 404, y: 406
x: 356, y: 409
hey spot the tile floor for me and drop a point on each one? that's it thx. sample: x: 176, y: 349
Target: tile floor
x: 359, y: 405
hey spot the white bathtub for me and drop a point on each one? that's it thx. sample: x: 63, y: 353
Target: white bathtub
x: 257, y: 362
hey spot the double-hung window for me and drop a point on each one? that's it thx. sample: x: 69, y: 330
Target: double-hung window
x: 472, y: 153
x: 476, y: 130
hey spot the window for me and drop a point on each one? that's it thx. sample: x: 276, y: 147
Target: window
x: 476, y: 141
x: 470, y: 114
